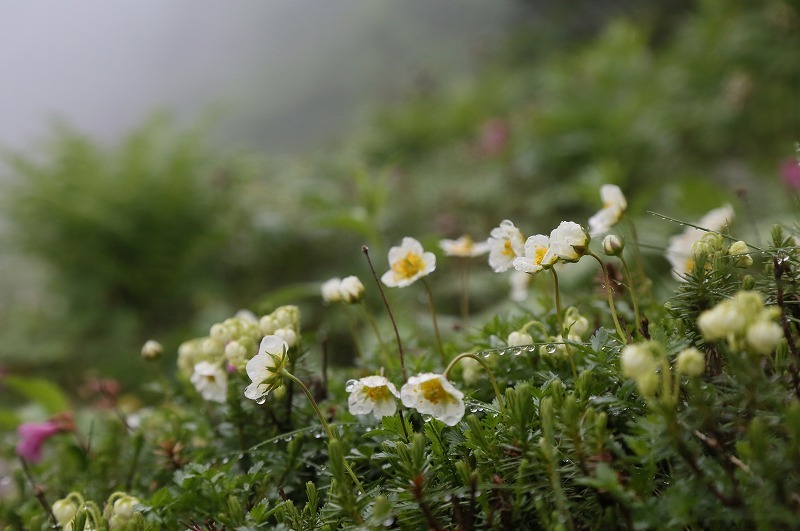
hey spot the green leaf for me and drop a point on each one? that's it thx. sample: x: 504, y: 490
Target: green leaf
x: 39, y: 390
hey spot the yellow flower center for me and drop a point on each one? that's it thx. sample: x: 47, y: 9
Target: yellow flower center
x: 408, y: 266
x: 465, y: 246
x: 433, y: 391
x: 508, y: 250
x: 539, y: 255
x: 376, y: 394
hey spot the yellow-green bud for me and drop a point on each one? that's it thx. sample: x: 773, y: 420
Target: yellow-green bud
x: 152, y: 350
x: 691, y: 362
x: 519, y: 339
x: 763, y: 336
x: 613, y: 245
x: 64, y: 510
x: 740, y: 251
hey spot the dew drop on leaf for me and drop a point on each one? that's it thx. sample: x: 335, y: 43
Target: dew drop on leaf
x: 550, y: 348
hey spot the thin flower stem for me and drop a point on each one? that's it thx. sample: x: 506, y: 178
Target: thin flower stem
x: 365, y: 250
x: 38, y: 492
x: 558, y: 298
x: 632, y: 290
x: 435, y: 322
x: 325, y: 426
x: 465, y: 262
x: 622, y: 335
x: 489, y: 373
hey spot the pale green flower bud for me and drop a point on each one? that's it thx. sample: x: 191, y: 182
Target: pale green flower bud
x: 637, y: 361
x: 352, y: 290
x: 691, y: 362
x: 268, y: 325
x: 287, y: 317
x: 613, y: 245
x: 740, y: 251
x: 221, y: 332
x: 152, y: 350
x: 471, y: 371
x: 122, y: 511
x: 709, y: 244
x: 236, y: 354
x: 722, y: 320
x: 288, y: 335
x: 64, y: 510
x: 330, y: 290
x: 519, y: 339
x: 575, y: 322
x: 763, y: 336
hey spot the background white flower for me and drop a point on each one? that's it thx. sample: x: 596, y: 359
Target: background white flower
x: 264, y: 366
x: 351, y: 289
x: 409, y: 262
x: 614, y: 205
x: 464, y: 247
x: 372, y: 394
x: 506, y: 242
x: 431, y: 394
x: 679, y: 250
x: 331, y: 290
x: 211, y: 381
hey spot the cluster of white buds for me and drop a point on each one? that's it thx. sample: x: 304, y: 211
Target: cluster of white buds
x: 349, y: 290
x: 744, y: 322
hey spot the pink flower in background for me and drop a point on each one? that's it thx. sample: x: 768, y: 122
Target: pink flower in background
x: 33, y: 434
x: 790, y: 172
x: 494, y: 137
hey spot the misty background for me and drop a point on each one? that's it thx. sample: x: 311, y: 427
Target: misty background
x: 278, y: 76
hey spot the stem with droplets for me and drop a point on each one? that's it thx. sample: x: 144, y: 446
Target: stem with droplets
x: 489, y: 373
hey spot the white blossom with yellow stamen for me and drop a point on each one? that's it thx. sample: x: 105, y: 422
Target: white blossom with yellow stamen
x: 506, y: 243
x: 464, y: 247
x: 409, y: 262
x: 432, y: 394
x: 372, y: 394
x: 538, y: 255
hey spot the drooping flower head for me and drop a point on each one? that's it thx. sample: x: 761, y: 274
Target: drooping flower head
x: 464, y: 247
x: 32, y: 435
x: 264, y: 369
x: 351, y: 289
x: 211, y: 381
x: 506, y: 243
x: 372, y: 394
x: 679, y: 252
x: 538, y: 255
x: 152, y: 350
x: 409, y: 262
x: 614, y: 205
x: 432, y: 394
x: 569, y: 241
x: 331, y: 292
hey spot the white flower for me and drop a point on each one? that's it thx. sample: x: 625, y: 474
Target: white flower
x: 408, y: 263
x: 679, y: 251
x: 431, y: 394
x: 519, y: 339
x: 691, y: 362
x: 264, y: 368
x: 538, y: 255
x: 351, y: 289
x: 637, y: 361
x: 518, y: 281
x: 763, y: 336
x: 577, y: 324
x: 236, y: 354
x: 505, y: 243
x: 721, y: 321
x: 569, y: 241
x: 211, y: 381
x: 614, y: 204
x: 372, y: 394
x: 152, y: 350
x: 330, y: 290
x: 464, y: 247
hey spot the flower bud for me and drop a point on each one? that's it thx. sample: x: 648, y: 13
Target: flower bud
x: 691, y: 362
x: 64, y: 510
x: 351, y: 289
x: 267, y: 325
x: 637, y: 361
x: 330, y: 290
x: 152, y: 350
x: 288, y: 335
x: 740, y: 251
x: 519, y: 339
x: 613, y: 245
x: 577, y: 324
x: 236, y: 354
x: 763, y: 336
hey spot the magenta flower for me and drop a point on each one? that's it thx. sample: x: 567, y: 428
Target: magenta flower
x: 790, y: 172
x: 33, y: 434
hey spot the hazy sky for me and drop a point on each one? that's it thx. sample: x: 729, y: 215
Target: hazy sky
x: 285, y: 73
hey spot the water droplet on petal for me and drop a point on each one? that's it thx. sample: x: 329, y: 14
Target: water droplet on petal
x: 260, y: 400
x: 350, y: 385
x: 427, y: 418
